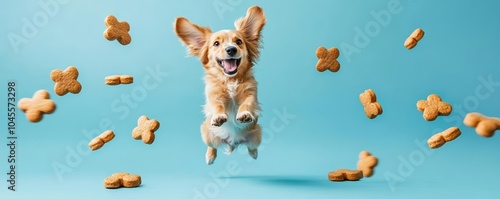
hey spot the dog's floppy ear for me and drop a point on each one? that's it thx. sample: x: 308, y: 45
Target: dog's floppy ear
x: 252, y: 23
x: 191, y: 35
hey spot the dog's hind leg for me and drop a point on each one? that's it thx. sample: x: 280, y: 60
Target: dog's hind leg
x: 253, y: 141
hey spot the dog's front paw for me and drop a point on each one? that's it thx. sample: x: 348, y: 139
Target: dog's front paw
x: 244, y: 117
x: 218, y: 119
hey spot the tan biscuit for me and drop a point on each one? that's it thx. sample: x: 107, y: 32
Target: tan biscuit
x: 130, y: 181
x: 112, y: 80
x: 345, y: 174
x: 436, y: 141
x: 120, y: 174
x: 107, y: 136
x: 433, y: 107
x: 122, y: 179
x: 96, y: 143
x: 112, y: 182
x: 439, y: 139
x: 66, y: 81
x: 353, y: 175
x: 451, y: 133
x: 99, y: 141
x: 327, y: 59
x: 117, y: 30
x: 414, y: 38
x: 369, y: 101
x: 366, y: 163
x: 485, y: 126
x: 37, y: 106
x: 118, y: 79
x: 126, y: 79
x: 336, y: 176
x: 145, y: 129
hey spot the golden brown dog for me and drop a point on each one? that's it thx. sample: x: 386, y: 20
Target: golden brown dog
x: 231, y: 109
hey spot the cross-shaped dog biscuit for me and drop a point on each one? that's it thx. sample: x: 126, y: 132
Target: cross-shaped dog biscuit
x: 117, y: 30
x: 327, y: 59
x: 66, y: 81
x: 145, y: 129
x: 485, y: 126
x: 37, y: 106
x: 371, y: 106
x: 433, y: 107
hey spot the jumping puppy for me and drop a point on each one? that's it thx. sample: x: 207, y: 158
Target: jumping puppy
x: 231, y: 109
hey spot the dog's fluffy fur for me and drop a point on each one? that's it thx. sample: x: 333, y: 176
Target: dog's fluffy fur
x: 231, y: 109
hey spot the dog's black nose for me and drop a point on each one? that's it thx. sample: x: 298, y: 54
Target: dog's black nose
x: 231, y: 50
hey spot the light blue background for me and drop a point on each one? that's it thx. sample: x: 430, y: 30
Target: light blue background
x: 326, y: 128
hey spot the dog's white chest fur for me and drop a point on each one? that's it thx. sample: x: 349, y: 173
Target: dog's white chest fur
x: 230, y: 131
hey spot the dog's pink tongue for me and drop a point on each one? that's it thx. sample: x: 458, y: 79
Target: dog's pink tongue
x: 230, y: 65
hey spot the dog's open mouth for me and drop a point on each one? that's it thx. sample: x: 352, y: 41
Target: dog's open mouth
x: 230, y: 66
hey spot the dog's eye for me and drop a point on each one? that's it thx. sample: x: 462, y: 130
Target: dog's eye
x: 216, y: 43
x: 239, y: 42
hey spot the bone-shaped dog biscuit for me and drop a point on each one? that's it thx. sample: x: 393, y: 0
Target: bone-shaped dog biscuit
x: 485, y: 126
x: 439, y: 139
x: 100, y: 140
x: 327, y: 59
x: 414, y: 38
x: 117, y: 30
x: 433, y: 107
x: 37, y: 106
x: 366, y: 163
x: 369, y: 101
x: 66, y: 81
x: 345, y: 174
x: 145, y: 129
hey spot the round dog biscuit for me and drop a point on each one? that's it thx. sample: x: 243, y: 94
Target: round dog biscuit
x: 96, y: 143
x: 107, y: 136
x: 126, y: 79
x: 436, y: 141
x: 130, y: 181
x: 451, y: 134
x: 336, y: 176
x: 112, y: 80
x: 112, y: 182
x: 353, y: 175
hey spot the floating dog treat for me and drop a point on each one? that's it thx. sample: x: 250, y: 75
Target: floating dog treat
x: 100, y: 140
x: 369, y: 101
x: 485, y: 126
x: 327, y: 59
x: 413, y: 39
x: 145, y: 129
x: 121, y: 179
x: 441, y: 138
x: 37, y: 106
x: 433, y: 107
x: 345, y: 174
x: 117, y: 30
x: 118, y: 79
x: 66, y: 81
x: 366, y: 163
